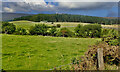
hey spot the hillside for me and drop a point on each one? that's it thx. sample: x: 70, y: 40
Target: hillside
x: 70, y: 25
x: 68, y: 18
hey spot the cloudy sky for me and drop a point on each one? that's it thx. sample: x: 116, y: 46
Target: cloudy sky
x: 102, y: 8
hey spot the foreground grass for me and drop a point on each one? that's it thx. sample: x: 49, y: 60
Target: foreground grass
x: 40, y: 52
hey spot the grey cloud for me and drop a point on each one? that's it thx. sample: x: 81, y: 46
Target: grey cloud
x: 62, y: 6
x: 86, y: 5
x: 26, y: 7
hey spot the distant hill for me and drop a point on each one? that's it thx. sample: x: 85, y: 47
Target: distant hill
x: 68, y: 18
x: 11, y: 16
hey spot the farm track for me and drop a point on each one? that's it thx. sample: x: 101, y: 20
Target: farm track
x: 110, y: 27
x: 102, y: 27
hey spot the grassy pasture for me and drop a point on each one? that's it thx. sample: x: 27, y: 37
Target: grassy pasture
x: 41, y: 52
x: 70, y: 25
x: 23, y: 24
x: 28, y: 24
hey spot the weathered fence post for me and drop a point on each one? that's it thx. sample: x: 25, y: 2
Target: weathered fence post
x: 100, y: 59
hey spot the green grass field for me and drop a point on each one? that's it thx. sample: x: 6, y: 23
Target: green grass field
x: 41, y: 52
x: 70, y: 25
x: 27, y: 24
x: 23, y: 24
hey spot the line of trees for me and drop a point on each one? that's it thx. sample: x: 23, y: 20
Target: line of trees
x: 10, y: 28
x: 68, y: 18
x: 91, y: 31
x: 88, y: 31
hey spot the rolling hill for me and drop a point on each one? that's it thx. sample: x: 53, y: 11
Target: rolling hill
x: 67, y: 18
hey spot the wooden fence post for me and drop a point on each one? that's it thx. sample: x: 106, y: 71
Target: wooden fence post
x: 100, y: 59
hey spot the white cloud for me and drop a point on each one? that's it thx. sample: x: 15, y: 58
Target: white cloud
x: 27, y: 6
x: 6, y: 9
x: 35, y: 2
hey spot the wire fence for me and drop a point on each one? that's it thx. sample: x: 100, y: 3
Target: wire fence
x: 61, y: 66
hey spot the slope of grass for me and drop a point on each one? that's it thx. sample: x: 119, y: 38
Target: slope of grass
x: 28, y: 24
x: 40, y: 52
x: 23, y: 24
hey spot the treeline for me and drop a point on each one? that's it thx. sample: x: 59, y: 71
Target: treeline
x: 92, y: 31
x: 68, y: 18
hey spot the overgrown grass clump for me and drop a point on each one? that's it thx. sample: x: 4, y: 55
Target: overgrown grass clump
x: 90, y: 60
